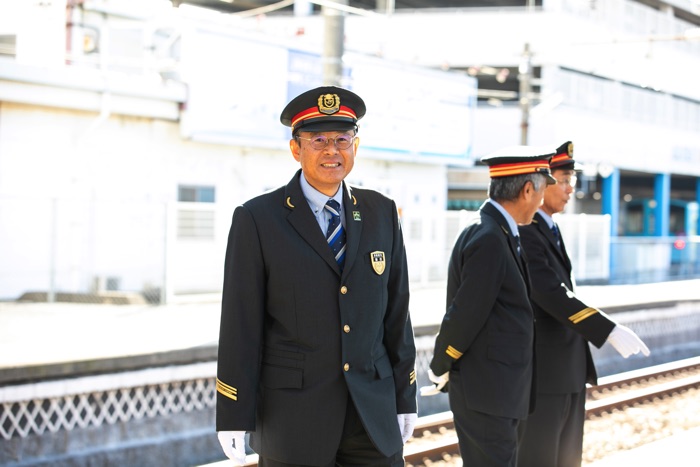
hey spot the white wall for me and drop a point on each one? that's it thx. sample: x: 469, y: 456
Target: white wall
x: 89, y: 197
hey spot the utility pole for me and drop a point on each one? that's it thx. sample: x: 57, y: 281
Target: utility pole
x: 334, y: 35
x: 303, y: 8
x: 386, y: 6
x: 525, y: 78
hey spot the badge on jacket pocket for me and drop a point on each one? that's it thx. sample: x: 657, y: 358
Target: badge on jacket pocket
x: 378, y: 261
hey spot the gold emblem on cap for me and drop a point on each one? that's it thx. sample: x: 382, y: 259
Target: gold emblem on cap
x: 328, y: 104
x: 570, y: 148
x: 378, y: 261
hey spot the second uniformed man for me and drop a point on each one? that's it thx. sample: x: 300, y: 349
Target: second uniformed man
x: 553, y: 434
x: 486, y: 339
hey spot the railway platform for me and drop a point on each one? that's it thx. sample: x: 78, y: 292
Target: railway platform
x: 40, y: 334
x: 678, y: 450
x: 53, y: 341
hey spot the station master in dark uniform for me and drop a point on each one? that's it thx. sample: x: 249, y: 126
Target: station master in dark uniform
x: 316, y: 348
x: 553, y: 433
x: 484, y: 349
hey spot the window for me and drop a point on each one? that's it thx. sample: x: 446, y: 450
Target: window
x: 196, y: 194
x: 196, y: 221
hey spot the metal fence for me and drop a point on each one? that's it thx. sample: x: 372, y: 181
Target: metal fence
x: 93, y: 401
x: 131, y: 251
x: 654, y: 259
x: 118, y: 252
x: 430, y: 237
x: 120, y: 398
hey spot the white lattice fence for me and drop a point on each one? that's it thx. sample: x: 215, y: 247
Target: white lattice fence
x: 34, y: 409
x: 108, y: 399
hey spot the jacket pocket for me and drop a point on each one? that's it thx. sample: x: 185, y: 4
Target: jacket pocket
x: 383, y: 367
x: 508, y: 354
x: 282, y: 369
x: 510, y: 348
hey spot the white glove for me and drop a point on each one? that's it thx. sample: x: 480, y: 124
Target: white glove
x: 440, y: 382
x: 407, y: 421
x: 233, y: 444
x: 626, y: 342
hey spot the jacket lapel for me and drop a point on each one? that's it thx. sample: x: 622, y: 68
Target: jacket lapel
x: 547, y: 232
x: 303, y: 221
x: 564, y: 254
x: 353, y: 227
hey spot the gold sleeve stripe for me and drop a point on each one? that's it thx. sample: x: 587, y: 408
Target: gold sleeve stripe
x: 412, y: 377
x: 583, y: 314
x: 453, y: 353
x: 226, y: 390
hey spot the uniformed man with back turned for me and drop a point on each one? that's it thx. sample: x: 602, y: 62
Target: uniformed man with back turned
x: 484, y: 350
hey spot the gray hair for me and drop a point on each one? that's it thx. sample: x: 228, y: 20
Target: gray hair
x: 508, y: 188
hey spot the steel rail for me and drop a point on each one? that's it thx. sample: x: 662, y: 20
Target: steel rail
x: 630, y: 378
x: 417, y: 451
x: 447, y: 445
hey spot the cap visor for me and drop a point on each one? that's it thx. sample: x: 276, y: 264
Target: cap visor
x: 566, y: 165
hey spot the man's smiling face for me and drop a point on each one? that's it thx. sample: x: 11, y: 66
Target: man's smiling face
x: 325, y: 168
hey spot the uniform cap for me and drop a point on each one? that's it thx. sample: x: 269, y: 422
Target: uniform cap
x: 327, y: 108
x: 519, y: 160
x: 564, y: 157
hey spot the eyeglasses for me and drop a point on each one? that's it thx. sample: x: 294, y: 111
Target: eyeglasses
x: 568, y: 181
x: 321, y: 141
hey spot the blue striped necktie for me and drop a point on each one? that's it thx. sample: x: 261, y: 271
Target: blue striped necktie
x: 555, y: 232
x: 335, y: 236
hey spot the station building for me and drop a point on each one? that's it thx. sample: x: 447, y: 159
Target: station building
x: 615, y: 77
x: 129, y: 130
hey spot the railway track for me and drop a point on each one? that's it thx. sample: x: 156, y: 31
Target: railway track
x: 619, y: 391
x: 434, y: 438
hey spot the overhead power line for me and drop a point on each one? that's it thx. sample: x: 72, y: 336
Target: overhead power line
x: 325, y: 3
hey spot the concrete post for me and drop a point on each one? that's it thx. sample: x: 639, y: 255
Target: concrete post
x: 334, y: 35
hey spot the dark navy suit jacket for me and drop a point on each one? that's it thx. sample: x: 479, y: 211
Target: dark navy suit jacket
x: 564, y: 324
x: 298, y: 337
x: 486, y: 338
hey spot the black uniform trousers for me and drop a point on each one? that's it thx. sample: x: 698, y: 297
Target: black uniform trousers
x: 565, y: 325
x: 486, y: 440
x: 558, y: 417
x: 356, y: 448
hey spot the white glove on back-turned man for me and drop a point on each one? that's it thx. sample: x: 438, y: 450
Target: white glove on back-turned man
x: 407, y: 421
x: 439, y: 382
x: 626, y: 342
x: 233, y: 444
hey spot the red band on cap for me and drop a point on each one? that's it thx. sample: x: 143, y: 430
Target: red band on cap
x: 314, y: 113
x: 560, y: 158
x: 519, y: 168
